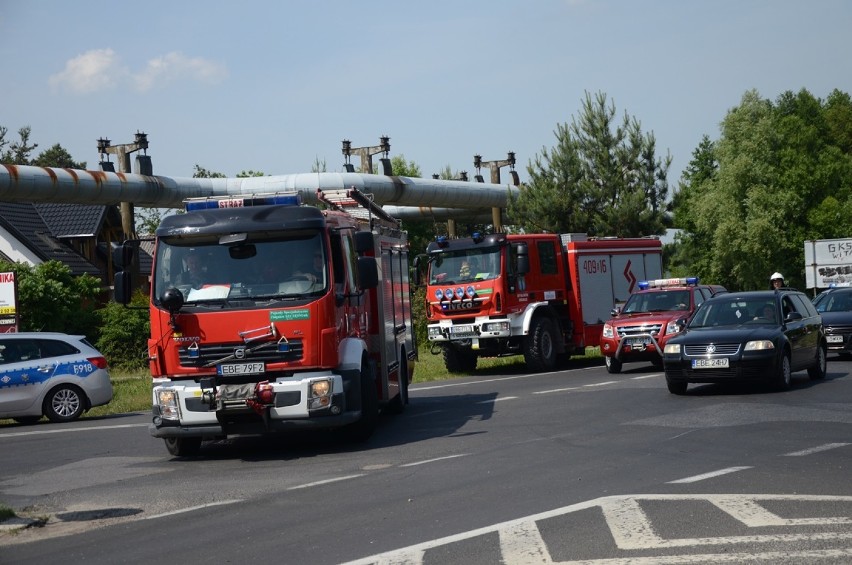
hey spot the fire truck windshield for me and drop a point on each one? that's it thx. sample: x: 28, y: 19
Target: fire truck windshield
x: 261, y: 266
x: 465, y: 265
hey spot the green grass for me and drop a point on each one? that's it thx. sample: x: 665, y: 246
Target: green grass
x: 132, y: 391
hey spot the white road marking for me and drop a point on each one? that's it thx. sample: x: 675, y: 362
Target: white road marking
x: 556, y: 390
x: 433, y: 460
x: 816, y: 449
x: 69, y: 430
x: 190, y: 509
x: 603, y: 383
x: 497, y: 399
x: 498, y: 379
x: 632, y: 530
x: 651, y: 376
x: 325, y: 482
x: 709, y: 475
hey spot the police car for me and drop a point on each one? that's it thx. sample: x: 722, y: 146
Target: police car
x: 56, y: 375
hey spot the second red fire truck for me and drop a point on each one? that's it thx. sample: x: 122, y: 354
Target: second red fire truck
x: 540, y: 295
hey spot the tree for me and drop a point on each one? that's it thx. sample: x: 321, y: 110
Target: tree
x: 600, y: 178
x: 50, y: 298
x: 18, y: 152
x: 202, y: 173
x: 784, y: 175
x: 58, y: 156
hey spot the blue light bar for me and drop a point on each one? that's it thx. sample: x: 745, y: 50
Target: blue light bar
x: 643, y: 285
x: 442, y: 241
x: 214, y: 202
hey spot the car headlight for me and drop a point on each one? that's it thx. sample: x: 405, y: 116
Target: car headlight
x: 167, y: 400
x: 672, y: 327
x: 608, y: 331
x: 759, y: 345
x: 672, y: 349
x: 502, y: 326
x: 319, y: 394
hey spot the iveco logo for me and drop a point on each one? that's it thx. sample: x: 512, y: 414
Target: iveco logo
x: 711, y: 348
x: 458, y: 306
x: 240, y: 352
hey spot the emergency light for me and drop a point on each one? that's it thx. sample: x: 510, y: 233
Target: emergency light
x: 659, y: 283
x: 214, y: 202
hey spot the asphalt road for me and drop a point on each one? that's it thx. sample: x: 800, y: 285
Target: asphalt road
x: 576, y: 466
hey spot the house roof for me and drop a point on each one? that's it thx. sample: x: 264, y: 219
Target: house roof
x: 24, y: 221
x: 77, y: 220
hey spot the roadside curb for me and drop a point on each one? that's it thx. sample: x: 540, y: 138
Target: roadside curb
x: 17, y: 523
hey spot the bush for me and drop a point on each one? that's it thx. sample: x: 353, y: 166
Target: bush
x: 51, y: 299
x: 124, y: 334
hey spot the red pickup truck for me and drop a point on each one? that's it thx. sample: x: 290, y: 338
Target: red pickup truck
x: 651, y: 316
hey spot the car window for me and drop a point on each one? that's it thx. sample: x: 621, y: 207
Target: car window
x: 803, y: 306
x: 55, y: 348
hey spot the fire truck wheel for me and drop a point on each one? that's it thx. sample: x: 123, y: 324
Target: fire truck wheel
x: 183, y: 446
x: 361, y: 430
x: 613, y: 365
x: 397, y: 405
x: 458, y: 360
x: 540, y: 345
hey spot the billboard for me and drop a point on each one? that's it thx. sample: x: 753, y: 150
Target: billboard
x: 8, y: 303
x: 828, y: 261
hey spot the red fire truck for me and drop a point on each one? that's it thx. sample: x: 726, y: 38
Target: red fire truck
x: 298, y: 318
x: 540, y: 295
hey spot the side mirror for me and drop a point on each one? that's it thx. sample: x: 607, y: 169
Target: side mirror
x: 793, y: 316
x: 523, y: 259
x: 368, y: 272
x: 615, y: 311
x: 364, y: 241
x: 122, y: 256
x: 123, y: 287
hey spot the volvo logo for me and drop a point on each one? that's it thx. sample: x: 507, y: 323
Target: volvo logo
x: 240, y: 352
x: 711, y: 349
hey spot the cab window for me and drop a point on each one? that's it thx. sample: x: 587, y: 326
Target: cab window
x: 547, y: 257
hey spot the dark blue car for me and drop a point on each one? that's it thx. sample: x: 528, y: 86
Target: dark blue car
x: 835, y: 307
x: 762, y: 336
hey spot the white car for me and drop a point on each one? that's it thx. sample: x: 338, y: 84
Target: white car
x: 56, y: 375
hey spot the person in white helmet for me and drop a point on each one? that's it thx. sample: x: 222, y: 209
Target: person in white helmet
x: 776, y: 280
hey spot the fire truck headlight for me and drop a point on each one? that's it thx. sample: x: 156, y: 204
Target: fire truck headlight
x: 495, y: 326
x: 434, y: 331
x: 607, y: 331
x: 319, y: 395
x: 167, y: 400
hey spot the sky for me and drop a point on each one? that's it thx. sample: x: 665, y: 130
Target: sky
x: 276, y: 86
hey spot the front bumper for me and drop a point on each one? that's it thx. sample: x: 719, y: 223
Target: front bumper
x: 195, y: 413
x: 635, y: 347
x: 751, y: 366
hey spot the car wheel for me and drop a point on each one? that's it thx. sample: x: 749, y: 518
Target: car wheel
x: 817, y: 372
x: 676, y: 387
x: 613, y: 365
x: 183, y: 446
x: 64, y: 403
x: 784, y: 378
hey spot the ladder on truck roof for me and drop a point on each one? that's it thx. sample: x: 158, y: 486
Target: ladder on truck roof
x: 358, y: 205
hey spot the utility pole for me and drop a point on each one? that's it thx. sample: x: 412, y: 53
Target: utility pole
x: 123, y: 151
x: 496, y: 215
x: 366, y: 156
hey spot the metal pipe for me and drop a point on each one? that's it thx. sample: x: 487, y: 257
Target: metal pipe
x: 21, y: 183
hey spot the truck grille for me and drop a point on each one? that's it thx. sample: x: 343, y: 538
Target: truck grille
x: 653, y: 329
x: 207, y: 355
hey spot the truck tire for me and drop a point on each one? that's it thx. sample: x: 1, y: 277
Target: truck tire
x: 540, y: 345
x: 360, y: 431
x: 459, y: 360
x: 183, y: 446
x: 397, y: 405
x: 613, y: 365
